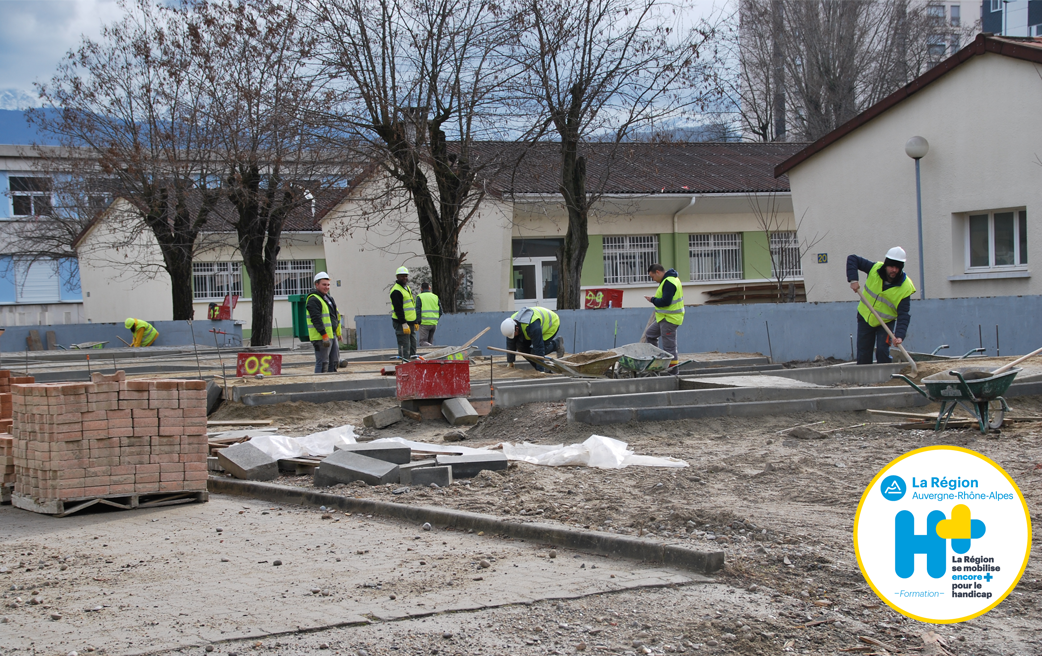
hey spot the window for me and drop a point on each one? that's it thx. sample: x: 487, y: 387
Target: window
x: 936, y: 51
x: 715, y: 257
x: 997, y: 239
x: 626, y: 259
x: 935, y: 14
x: 294, y: 277
x: 36, y: 281
x: 214, y: 280
x: 30, y: 196
x: 785, y: 255
x: 465, y: 293
x: 956, y: 13
x: 996, y: 5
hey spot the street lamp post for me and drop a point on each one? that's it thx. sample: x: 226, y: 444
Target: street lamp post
x: 916, y: 148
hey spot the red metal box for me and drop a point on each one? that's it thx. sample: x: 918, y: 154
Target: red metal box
x: 433, y: 379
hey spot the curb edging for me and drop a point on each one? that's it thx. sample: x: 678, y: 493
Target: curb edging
x: 702, y: 562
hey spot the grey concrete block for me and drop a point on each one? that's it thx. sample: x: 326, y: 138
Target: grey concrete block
x: 424, y: 476
x: 213, y: 466
x: 386, y: 451
x: 347, y: 466
x: 384, y: 418
x: 459, y: 412
x: 214, y: 396
x: 469, y: 466
x: 248, y: 462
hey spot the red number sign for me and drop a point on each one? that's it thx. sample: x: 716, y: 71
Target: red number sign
x: 251, y: 364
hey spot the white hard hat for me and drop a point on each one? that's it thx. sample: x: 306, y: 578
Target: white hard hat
x: 321, y: 275
x: 508, y: 327
x: 897, y: 254
x: 402, y: 271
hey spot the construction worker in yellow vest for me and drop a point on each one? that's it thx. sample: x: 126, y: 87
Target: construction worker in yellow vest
x: 532, y: 330
x: 430, y: 312
x: 669, y: 309
x: 144, y: 333
x: 889, y: 289
x: 405, y: 312
x: 323, y: 325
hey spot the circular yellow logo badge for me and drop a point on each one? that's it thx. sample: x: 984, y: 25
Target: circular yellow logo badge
x: 942, y: 534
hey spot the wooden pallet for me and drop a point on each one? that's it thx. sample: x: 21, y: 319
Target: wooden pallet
x: 64, y: 507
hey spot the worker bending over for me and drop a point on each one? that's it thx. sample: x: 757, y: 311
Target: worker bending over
x: 532, y: 330
x: 669, y: 310
x: 144, y: 333
x: 430, y: 312
x: 323, y: 325
x: 889, y: 289
x: 405, y: 308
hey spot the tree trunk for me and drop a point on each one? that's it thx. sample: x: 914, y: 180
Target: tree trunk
x: 262, y: 283
x: 577, y: 239
x: 445, y: 279
x: 179, y: 266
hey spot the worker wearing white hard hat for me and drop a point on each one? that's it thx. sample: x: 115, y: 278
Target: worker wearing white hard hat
x: 323, y: 325
x: 889, y: 289
x: 532, y: 330
x: 405, y: 310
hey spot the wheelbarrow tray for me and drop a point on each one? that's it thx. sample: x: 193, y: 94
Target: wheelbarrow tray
x: 640, y: 358
x: 944, y: 386
x: 592, y: 368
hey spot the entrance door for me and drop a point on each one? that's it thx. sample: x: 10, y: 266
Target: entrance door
x: 535, y: 282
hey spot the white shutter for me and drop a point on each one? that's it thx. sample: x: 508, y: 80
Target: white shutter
x: 37, y: 282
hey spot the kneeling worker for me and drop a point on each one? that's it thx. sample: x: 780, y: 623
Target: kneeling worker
x: 889, y: 289
x: 430, y: 312
x: 323, y: 325
x: 144, y: 333
x: 532, y: 330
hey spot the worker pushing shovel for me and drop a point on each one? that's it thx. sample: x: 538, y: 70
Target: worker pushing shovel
x: 883, y: 313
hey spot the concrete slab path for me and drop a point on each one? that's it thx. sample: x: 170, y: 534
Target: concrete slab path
x: 153, y: 580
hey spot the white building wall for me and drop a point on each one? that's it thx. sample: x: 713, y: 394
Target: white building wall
x: 860, y: 191
x: 362, y: 261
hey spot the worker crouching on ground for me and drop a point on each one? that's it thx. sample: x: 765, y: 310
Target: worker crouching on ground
x: 323, y: 325
x: 669, y: 310
x: 430, y: 312
x: 532, y: 330
x: 144, y: 333
x: 889, y: 289
x: 405, y: 308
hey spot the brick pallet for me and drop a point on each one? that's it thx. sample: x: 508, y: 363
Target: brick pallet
x: 6, y: 440
x: 116, y: 442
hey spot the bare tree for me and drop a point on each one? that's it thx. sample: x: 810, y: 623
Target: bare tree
x: 418, y: 87
x: 131, y: 126
x: 601, y: 70
x: 252, y: 59
x: 805, y: 67
x: 785, y: 245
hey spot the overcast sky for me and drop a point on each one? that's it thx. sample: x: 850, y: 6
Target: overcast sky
x: 36, y: 34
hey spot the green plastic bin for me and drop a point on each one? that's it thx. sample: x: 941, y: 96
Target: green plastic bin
x: 298, y: 304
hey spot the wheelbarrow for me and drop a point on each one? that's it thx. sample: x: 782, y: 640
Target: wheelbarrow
x: 642, y: 359
x: 570, y: 365
x: 977, y: 392
x: 934, y: 356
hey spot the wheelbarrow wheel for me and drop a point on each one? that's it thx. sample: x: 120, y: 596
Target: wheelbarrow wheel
x: 996, y: 413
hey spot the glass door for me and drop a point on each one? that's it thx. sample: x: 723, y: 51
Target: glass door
x: 535, y: 282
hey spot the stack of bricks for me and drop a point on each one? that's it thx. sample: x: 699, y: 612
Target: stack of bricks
x: 6, y: 441
x: 110, y: 437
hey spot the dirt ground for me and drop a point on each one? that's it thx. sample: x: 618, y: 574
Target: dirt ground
x: 781, y: 508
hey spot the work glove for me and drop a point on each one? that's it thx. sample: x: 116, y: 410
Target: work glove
x: 406, y: 329
x: 325, y: 341
x: 416, y: 327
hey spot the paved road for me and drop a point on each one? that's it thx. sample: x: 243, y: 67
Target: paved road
x: 158, y: 579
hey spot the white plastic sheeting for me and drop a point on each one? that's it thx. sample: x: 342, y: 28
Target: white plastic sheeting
x: 316, y: 444
x: 279, y: 446
x: 597, y: 451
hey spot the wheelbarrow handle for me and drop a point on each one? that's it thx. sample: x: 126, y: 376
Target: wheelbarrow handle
x: 965, y: 387
x: 912, y: 383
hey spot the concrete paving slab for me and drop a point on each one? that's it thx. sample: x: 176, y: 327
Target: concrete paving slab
x: 165, y: 579
x: 247, y: 462
x: 459, y: 412
x: 348, y: 466
x: 386, y: 451
x: 384, y: 418
x: 424, y: 476
x: 470, y: 466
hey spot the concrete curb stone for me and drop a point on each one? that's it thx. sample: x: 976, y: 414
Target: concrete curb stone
x: 704, y: 562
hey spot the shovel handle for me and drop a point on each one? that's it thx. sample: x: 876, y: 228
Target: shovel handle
x: 915, y: 369
x: 1006, y: 367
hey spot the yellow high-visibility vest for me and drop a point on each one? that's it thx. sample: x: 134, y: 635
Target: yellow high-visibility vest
x: 674, y: 312
x: 431, y: 308
x: 550, y: 322
x: 408, y: 303
x: 884, y: 302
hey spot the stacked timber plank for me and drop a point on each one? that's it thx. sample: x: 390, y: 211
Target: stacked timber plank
x: 6, y: 440
x: 107, y: 438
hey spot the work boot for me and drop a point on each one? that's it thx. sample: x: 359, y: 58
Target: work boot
x: 560, y: 349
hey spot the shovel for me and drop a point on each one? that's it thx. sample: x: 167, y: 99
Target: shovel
x: 915, y: 369
x: 1007, y: 367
